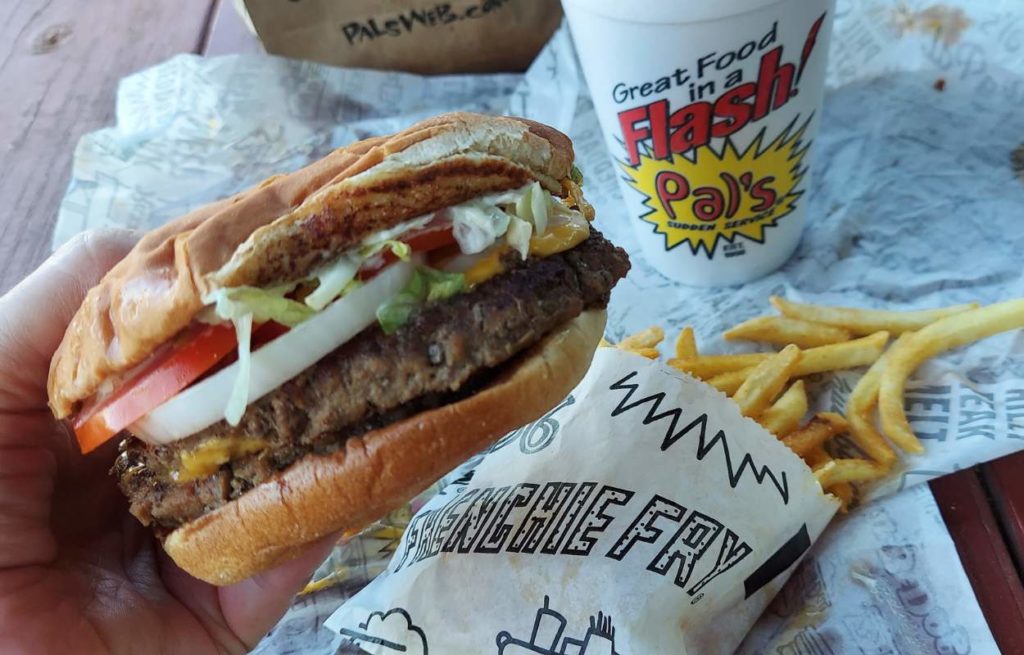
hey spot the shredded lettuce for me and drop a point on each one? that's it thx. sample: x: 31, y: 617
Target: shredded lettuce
x: 333, y: 279
x: 263, y: 304
x: 396, y: 312
x: 540, y: 203
x: 576, y: 175
x: 239, y: 398
x: 426, y: 285
x: 477, y: 225
x: 441, y: 284
x: 518, y: 236
x: 243, y: 306
x: 399, y: 249
x: 534, y: 206
x: 523, y: 206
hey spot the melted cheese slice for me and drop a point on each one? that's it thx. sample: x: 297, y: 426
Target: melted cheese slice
x: 208, y: 457
x: 558, y: 238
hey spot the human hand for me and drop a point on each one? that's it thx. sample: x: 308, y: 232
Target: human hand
x: 78, y: 573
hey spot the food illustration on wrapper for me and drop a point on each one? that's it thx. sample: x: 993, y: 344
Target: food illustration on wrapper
x: 547, y: 637
x: 392, y: 631
x: 700, y: 186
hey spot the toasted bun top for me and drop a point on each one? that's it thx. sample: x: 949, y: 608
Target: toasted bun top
x: 287, y: 226
x: 379, y: 471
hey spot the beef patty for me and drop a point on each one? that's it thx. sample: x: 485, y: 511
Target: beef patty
x: 446, y: 351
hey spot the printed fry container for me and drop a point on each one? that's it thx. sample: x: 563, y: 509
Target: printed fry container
x: 643, y: 514
x: 709, y: 109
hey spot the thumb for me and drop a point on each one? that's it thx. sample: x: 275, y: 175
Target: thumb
x: 238, y: 616
x: 35, y: 313
x: 253, y: 606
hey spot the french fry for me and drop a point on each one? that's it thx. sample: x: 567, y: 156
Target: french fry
x: 766, y: 381
x: 817, y: 457
x: 825, y: 333
x: 849, y: 354
x: 866, y: 321
x: 604, y: 343
x: 818, y: 430
x: 783, y: 330
x: 706, y: 367
x: 845, y: 493
x: 648, y: 338
x: 730, y: 381
x: 838, y: 471
x: 649, y: 353
x: 331, y: 579
x: 686, y: 344
x: 861, y: 405
x: 784, y: 416
x: 942, y: 335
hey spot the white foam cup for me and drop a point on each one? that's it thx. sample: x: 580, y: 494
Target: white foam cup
x: 709, y: 109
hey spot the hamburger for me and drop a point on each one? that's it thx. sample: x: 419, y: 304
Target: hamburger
x: 305, y: 356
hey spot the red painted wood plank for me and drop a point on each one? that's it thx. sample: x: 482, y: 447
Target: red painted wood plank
x: 60, y: 62
x: 229, y: 33
x: 976, y: 533
x: 1005, y: 480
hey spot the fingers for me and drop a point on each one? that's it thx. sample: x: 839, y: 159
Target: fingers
x: 34, y: 314
x: 26, y: 485
x: 252, y: 607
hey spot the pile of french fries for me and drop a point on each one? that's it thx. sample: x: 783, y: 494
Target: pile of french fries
x: 817, y: 339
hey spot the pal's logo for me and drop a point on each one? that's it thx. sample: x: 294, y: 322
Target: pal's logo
x: 699, y: 192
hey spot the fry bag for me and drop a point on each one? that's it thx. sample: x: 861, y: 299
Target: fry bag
x: 643, y: 514
x: 468, y: 36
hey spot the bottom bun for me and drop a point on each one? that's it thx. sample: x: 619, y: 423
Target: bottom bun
x: 381, y: 470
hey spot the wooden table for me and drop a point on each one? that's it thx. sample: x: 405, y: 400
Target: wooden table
x: 60, y: 62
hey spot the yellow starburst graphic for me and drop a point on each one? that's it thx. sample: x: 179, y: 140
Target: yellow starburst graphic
x: 707, y: 195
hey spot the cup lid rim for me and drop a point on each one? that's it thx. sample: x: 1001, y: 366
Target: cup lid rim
x: 670, y: 11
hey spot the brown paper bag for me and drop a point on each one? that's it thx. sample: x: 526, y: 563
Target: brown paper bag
x: 418, y: 36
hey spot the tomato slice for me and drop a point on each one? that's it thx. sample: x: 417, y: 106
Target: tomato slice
x: 425, y: 239
x: 430, y: 238
x: 168, y: 373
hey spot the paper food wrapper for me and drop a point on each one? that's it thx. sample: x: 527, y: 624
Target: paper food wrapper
x: 471, y: 36
x: 643, y: 514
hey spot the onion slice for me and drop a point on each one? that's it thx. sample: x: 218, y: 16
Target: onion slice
x: 203, y: 404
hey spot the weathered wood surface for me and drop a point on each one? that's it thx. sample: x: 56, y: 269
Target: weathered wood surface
x: 60, y: 62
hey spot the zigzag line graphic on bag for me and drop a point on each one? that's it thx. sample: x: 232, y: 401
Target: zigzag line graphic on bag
x: 704, y: 446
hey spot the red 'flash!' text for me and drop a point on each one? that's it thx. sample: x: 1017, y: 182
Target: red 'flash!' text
x: 696, y: 124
